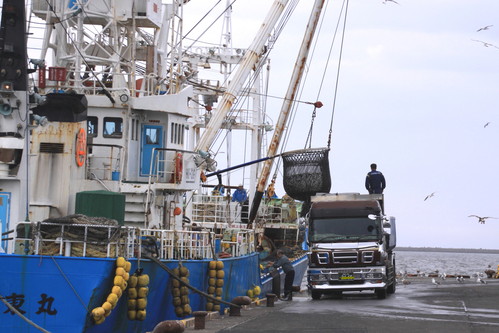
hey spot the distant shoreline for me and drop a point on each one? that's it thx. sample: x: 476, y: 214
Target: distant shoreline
x: 442, y: 249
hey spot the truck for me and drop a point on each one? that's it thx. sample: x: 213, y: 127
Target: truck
x: 351, y: 245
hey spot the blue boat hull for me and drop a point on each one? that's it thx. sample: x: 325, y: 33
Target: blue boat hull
x: 58, y: 293
x: 299, y: 264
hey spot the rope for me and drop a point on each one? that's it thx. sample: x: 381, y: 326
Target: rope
x: 13, y: 309
x: 67, y: 280
x: 343, y: 10
x: 157, y: 261
x: 338, y: 73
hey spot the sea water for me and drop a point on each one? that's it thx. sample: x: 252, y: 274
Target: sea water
x: 450, y: 263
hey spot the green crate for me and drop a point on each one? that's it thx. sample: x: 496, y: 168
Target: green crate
x: 101, y: 204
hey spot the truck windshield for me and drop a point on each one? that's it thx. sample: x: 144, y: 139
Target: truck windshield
x: 348, y: 229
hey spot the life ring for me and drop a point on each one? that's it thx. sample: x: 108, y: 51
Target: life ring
x: 177, y: 172
x: 81, y: 147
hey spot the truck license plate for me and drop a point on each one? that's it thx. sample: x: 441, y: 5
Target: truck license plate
x: 346, y: 276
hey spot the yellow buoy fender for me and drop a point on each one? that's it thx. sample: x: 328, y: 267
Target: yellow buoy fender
x: 120, y: 271
x: 142, y: 292
x: 141, y: 303
x: 132, y: 282
x: 184, y: 271
x: 112, y: 298
x: 143, y: 280
x: 121, y: 262
x: 132, y: 314
x: 220, y: 274
x: 118, y: 281
x: 141, y: 315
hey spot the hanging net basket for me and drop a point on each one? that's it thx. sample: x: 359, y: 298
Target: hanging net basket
x: 306, y: 172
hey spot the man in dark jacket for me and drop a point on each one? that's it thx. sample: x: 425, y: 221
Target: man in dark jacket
x: 287, y: 267
x: 375, y: 181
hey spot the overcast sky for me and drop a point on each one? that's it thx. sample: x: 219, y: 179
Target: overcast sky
x: 418, y: 84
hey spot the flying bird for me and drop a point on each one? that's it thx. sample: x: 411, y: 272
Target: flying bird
x: 486, y: 124
x: 429, y: 196
x: 485, y: 28
x: 485, y: 43
x: 482, y: 219
x: 385, y: 1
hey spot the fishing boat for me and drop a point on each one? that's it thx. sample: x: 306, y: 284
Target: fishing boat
x: 110, y: 221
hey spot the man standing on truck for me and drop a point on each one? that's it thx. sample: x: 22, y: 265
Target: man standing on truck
x: 289, y: 270
x: 375, y: 181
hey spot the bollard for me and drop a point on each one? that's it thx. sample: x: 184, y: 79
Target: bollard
x: 270, y: 300
x: 234, y: 311
x: 169, y: 326
x: 239, y: 300
x: 199, y: 319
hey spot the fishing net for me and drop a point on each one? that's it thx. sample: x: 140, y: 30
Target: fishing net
x: 306, y: 172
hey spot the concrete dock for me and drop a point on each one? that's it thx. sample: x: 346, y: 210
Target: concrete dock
x: 418, y: 306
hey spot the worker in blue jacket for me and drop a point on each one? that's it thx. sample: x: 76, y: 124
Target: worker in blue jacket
x: 375, y: 181
x: 240, y: 195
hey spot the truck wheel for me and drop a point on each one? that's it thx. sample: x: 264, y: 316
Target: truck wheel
x: 381, y: 293
x: 316, y: 294
x: 391, y: 288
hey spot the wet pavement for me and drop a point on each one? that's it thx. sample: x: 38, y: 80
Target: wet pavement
x: 416, y: 307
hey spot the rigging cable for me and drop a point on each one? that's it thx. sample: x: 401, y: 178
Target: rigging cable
x: 309, y: 137
x: 338, y: 75
x: 285, y: 18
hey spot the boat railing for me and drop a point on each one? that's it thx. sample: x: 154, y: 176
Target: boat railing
x: 208, y: 210
x: 73, y: 240
x: 104, y: 161
x: 172, y: 244
x: 109, y: 241
x: 211, y: 209
x: 238, y: 242
x: 277, y: 211
x: 171, y: 166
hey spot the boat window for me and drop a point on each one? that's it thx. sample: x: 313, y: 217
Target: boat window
x: 92, y: 126
x: 152, y: 136
x: 113, y: 127
x: 172, y: 127
x: 177, y: 133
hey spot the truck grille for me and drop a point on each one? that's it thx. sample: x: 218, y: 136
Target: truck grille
x: 367, y: 256
x: 323, y: 258
x: 344, y: 257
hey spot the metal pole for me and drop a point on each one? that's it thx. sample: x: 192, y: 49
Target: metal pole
x: 287, y: 103
x: 249, y: 60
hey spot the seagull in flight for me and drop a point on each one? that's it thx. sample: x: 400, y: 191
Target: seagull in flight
x: 486, y: 124
x: 482, y: 219
x: 485, y: 43
x: 484, y: 28
x: 429, y: 196
x: 385, y: 1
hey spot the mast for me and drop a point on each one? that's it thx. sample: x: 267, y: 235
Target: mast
x: 287, y: 103
x: 249, y: 60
